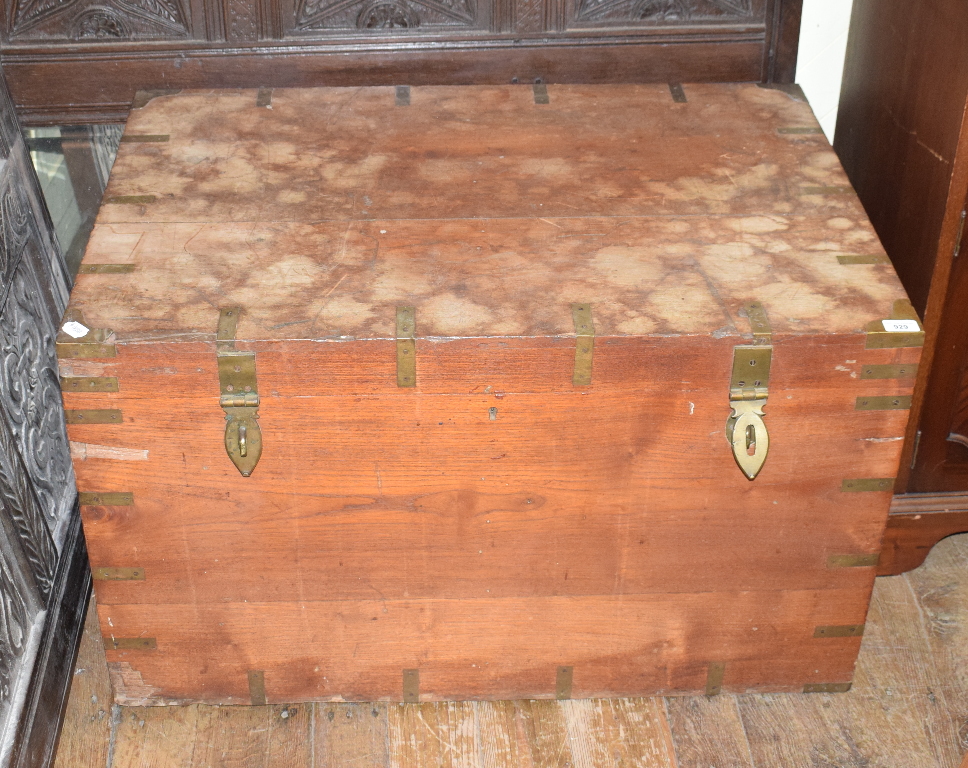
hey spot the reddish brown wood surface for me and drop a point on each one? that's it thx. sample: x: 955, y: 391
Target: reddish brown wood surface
x: 495, y: 522
x: 917, y: 522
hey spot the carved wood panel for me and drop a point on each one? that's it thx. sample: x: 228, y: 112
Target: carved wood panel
x: 36, y: 480
x: 97, y: 20
x: 668, y: 12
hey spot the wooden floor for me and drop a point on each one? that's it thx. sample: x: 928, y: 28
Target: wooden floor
x: 908, y: 709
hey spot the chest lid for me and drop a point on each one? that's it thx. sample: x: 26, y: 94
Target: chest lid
x: 492, y: 210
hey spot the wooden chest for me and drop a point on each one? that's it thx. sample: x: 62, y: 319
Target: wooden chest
x: 502, y: 360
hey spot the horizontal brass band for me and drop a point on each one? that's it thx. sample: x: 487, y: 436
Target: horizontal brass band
x: 845, y: 630
x: 105, y: 498
x: 827, y: 687
x: 833, y: 189
x: 867, y: 484
x: 89, y: 384
x: 144, y: 138
x: 130, y: 643
x: 906, y: 371
x: 118, y: 574
x: 130, y: 199
x: 75, y: 350
x: 884, y: 403
x: 105, y: 269
x: 853, y: 561
x: 93, y: 416
x: 805, y: 129
x: 863, y: 258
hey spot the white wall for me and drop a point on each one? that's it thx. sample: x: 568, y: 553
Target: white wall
x: 820, y: 61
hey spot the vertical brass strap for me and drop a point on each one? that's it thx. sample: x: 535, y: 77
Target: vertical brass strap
x: 584, y: 344
x: 678, y: 95
x: 411, y: 686
x: 406, y: 347
x: 714, y: 678
x: 264, y: 97
x: 228, y: 323
x: 541, y: 94
x: 257, y: 688
x: 402, y: 96
x: 563, y: 683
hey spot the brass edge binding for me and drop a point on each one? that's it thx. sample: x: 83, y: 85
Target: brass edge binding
x: 584, y: 344
x: 406, y: 347
x: 238, y: 395
x: 748, y: 392
x: 257, y: 688
x: 714, y: 678
x: 853, y: 561
x: 883, y: 403
x: 563, y: 683
x: 867, y: 484
x: 678, y: 94
x: 411, y: 686
x: 905, y: 371
x: 89, y: 384
x: 827, y: 687
x: 118, y: 574
x: 130, y: 643
x: 849, y: 259
x: 95, y: 343
x: 93, y: 416
x: 845, y: 630
x: 105, y: 498
x: 896, y: 331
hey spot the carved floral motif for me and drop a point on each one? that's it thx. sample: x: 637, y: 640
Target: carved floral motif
x: 383, y: 14
x: 665, y: 11
x: 99, y: 19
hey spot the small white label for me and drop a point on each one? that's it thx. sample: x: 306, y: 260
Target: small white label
x: 901, y: 326
x: 75, y: 329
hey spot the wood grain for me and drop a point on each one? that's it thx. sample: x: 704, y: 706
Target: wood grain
x: 351, y: 735
x: 708, y: 731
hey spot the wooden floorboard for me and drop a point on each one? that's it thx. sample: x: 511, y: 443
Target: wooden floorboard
x: 908, y: 707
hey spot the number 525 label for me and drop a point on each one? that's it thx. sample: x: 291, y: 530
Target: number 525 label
x: 901, y: 326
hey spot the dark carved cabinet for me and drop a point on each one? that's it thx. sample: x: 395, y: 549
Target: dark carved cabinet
x: 43, y: 572
x: 74, y: 61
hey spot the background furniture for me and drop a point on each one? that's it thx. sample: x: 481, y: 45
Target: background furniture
x: 83, y: 60
x: 903, y: 139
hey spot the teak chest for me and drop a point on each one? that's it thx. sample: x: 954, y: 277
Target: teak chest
x: 501, y: 362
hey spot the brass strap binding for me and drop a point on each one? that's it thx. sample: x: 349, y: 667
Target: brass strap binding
x: 239, y: 395
x: 748, y: 391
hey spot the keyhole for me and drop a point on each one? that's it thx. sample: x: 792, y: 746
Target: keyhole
x: 751, y: 440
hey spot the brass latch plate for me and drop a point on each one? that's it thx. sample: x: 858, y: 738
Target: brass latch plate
x: 748, y: 391
x: 238, y: 395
